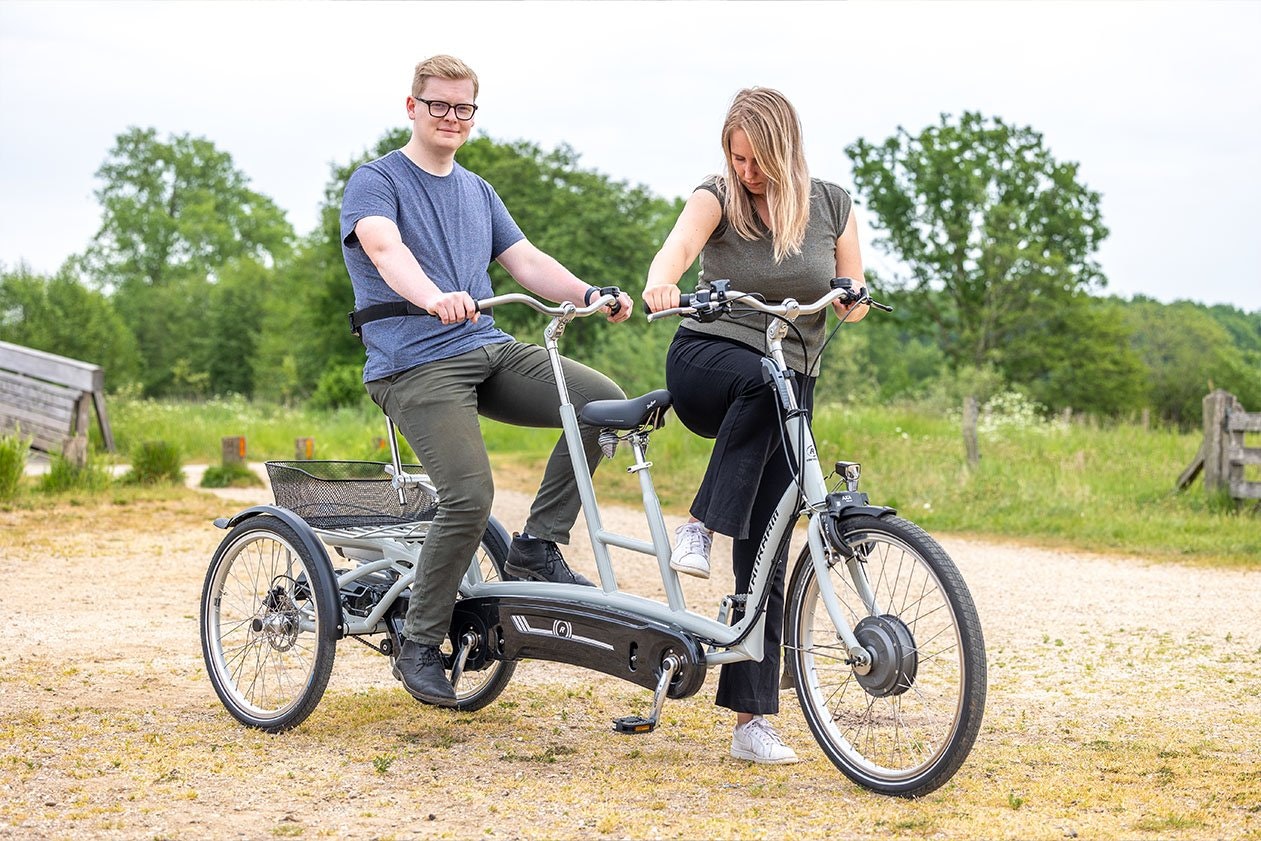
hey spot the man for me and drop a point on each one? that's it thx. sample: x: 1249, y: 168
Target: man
x: 417, y: 227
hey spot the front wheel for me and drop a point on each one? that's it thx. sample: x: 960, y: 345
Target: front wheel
x: 905, y: 723
x: 268, y: 631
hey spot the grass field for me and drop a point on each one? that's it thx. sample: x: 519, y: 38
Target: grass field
x: 1100, y: 487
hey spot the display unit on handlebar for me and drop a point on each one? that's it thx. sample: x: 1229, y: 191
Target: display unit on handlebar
x: 881, y: 636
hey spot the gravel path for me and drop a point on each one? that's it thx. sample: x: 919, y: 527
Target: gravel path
x: 1091, y: 658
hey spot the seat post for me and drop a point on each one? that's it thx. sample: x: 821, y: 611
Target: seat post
x: 394, y: 456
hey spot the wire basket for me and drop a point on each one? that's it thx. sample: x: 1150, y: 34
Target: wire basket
x: 345, y: 494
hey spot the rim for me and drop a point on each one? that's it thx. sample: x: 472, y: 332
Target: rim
x: 264, y: 630
x: 892, y: 736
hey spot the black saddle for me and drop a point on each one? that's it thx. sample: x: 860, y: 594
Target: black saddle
x: 628, y: 414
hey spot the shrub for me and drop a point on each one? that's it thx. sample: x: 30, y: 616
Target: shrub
x: 230, y: 476
x: 155, y: 462
x: 1013, y: 410
x: 13, y: 452
x: 64, y: 475
x: 340, y: 385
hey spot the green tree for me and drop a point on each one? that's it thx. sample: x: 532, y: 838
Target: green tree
x: 1188, y: 353
x: 174, y: 213
x: 61, y: 315
x: 996, y: 233
x: 226, y: 349
x: 885, y: 356
x: 1245, y: 332
x: 305, y: 332
x: 1091, y: 367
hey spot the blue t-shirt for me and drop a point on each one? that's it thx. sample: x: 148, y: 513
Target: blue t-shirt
x: 455, y: 225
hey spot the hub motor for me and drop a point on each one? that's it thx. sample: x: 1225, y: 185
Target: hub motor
x: 894, y: 659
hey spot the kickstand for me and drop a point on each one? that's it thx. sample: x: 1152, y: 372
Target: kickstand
x: 639, y: 724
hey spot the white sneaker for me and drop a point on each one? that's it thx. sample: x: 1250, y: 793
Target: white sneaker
x: 691, y: 550
x: 758, y: 742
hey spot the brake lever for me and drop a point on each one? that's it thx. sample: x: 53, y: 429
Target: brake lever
x: 872, y: 302
x: 862, y: 296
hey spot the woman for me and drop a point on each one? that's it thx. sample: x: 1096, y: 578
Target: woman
x: 772, y: 230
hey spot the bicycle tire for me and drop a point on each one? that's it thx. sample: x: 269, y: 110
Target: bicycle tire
x: 906, y: 726
x: 268, y: 633
x: 477, y: 689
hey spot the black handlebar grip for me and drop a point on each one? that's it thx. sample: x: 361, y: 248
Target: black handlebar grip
x: 616, y: 306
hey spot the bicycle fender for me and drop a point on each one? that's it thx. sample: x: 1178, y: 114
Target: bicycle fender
x: 309, y: 540
x: 845, y: 504
x: 842, y: 505
x: 497, y: 527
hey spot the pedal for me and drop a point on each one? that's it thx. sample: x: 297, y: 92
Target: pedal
x: 468, y: 642
x: 639, y: 724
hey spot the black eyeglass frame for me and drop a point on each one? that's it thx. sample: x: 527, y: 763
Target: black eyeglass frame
x: 446, y: 107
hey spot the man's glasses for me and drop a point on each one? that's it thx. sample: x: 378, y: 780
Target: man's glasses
x: 438, y: 109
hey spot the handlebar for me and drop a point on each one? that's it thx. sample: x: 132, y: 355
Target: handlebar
x: 706, y: 304
x: 608, y: 296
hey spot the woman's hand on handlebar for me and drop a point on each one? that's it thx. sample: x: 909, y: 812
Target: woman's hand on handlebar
x: 661, y: 297
x: 853, y: 310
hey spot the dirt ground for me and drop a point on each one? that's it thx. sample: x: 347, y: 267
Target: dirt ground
x: 1123, y: 702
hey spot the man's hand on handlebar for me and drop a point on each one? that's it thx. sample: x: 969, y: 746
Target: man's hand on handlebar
x: 452, y: 307
x: 621, y: 309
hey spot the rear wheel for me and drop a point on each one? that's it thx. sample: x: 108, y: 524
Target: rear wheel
x: 267, y: 633
x: 904, y: 724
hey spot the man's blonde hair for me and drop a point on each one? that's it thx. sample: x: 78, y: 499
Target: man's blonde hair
x: 441, y: 67
x: 770, y: 122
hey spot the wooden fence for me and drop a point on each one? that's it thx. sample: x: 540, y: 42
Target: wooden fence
x: 49, y: 398
x: 1223, y: 456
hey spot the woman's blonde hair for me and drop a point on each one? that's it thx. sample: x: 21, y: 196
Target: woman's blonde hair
x: 770, y: 122
x: 441, y: 67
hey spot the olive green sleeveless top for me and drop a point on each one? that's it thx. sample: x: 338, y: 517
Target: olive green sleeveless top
x: 750, y: 267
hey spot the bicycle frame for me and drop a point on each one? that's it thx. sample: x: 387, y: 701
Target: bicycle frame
x: 742, y: 640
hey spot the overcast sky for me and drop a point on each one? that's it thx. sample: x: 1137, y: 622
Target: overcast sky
x: 1160, y: 103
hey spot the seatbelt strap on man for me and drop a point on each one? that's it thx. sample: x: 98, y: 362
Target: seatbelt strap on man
x: 376, y: 312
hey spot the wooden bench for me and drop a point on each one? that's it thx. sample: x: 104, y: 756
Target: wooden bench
x: 48, y: 397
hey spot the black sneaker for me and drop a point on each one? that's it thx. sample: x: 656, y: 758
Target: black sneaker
x: 420, y: 669
x: 531, y: 559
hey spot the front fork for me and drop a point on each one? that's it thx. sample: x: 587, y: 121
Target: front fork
x: 820, y: 557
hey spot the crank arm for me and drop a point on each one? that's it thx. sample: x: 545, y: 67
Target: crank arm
x: 467, y: 643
